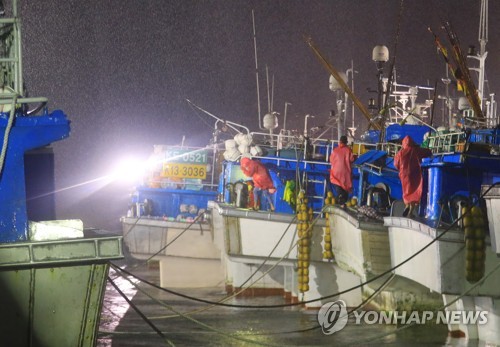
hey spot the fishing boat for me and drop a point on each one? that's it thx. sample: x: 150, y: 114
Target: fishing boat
x: 449, y: 245
x: 259, y: 247
x: 166, y: 218
x: 303, y: 249
x: 309, y: 250
x: 371, y: 237
x: 52, y: 272
x: 458, y: 233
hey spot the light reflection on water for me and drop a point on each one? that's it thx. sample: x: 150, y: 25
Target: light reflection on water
x: 114, y: 305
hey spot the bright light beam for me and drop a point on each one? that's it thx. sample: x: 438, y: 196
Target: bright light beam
x: 128, y: 170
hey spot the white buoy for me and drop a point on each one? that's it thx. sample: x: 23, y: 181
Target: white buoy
x: 271, y: 121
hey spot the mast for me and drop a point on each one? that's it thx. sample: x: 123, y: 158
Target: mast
x: 483, y: 26
x: 256, y: 69
x: 483, y: 39
x: 341, y: 82
x: 351, y: 71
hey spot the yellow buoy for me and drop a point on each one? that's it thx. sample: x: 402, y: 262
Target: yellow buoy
x: 467, y: 221
x: 476, y: 211
x: 479, y: 221
x: 465, y: 210
x: 479, y: 232
x: 469, y: 232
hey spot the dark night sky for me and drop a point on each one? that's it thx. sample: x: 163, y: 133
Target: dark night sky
x: 121, y: 70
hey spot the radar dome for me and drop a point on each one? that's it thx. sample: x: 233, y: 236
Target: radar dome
x: 380, y: 53
x: 334, y: 84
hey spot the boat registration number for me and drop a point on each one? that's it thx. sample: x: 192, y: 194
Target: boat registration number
x: 184, y: 170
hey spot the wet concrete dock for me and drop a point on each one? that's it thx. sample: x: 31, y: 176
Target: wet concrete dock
x: 201, y: 324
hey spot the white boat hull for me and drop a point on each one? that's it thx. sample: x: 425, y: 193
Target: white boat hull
x: 492, y: 199
x: 252, y: 238
x: 191, y: 260
x: 360, y: 247
x: 441, y: 268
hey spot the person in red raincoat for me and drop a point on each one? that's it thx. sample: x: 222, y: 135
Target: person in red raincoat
x: 262, y: 182
x: 407, y: 162
x: 341, y: 171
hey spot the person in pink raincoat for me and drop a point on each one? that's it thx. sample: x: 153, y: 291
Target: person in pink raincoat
x: 262, y: 181
x: 407, y: 162
x: 341, y: 171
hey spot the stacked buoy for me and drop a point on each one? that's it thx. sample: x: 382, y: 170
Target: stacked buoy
x: 304, y: 218
x: 475, y: 234
x: 327, y: 238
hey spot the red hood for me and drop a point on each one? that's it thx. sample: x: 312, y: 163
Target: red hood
x: 245, y: 161
x: 408, y: 142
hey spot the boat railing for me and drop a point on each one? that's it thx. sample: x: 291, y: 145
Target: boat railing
x: 450, y: 142
x: 490, y: 120
x: 470, y: 120
x: 11, y: 79
x: 10, y: 56
x: 390, y: 147
x: 317, y: 149
x: 165, y: 183
x: 359, y: 148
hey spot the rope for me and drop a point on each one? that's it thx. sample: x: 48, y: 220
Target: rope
x: 269, y: 256
x: 221, y: 303
x: 140, y: 313
x: 248, y: 279
x: 321, y: 298
x: 206, y: 326
x: 377, y: 337
x: 164, y: 247
x: 349, y: 313
x: 10, y: 122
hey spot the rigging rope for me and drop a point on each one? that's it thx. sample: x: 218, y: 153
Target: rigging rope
x: 140, y: 313
x: 321, y: 298
x: 350, y: 312
x: 204, y: 325
x: 10, y: 122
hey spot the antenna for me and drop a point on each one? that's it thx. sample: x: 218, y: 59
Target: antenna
x: 286, y: 108
x: 353, y: 128
x: 268, y: 91
x: 256, y: 68
x: 483, y: 26
x: 272, y: 93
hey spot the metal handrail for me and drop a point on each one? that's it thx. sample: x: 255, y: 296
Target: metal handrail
x: 445, y: 142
